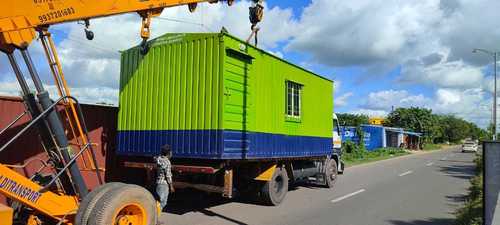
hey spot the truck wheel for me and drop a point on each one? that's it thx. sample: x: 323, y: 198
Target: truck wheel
x: 274, y: 191
x: 88, y: 203
x: 331, y: 173
x: 128, y: 204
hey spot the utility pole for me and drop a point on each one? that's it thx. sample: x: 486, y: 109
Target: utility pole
x: 494, y: 54
x: 495, y: 98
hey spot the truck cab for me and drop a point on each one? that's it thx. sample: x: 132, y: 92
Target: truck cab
x: 337, y: 142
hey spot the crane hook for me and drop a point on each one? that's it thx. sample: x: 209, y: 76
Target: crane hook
x: 144, y: 47
x: 192, y: 7
x: 88, y: 33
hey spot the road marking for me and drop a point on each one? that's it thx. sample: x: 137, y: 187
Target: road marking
x: 429, y: 164
x: 405, y: 173
x: 348, y: 195
x: 444, y: 158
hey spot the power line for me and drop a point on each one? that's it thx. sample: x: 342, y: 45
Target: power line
x: 179, y: 21
x: 201, y: 24
x: 88, y: 43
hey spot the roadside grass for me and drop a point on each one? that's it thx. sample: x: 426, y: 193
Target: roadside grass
x: 432, y: 147
x: 363, y: 156
x: 471, y: 211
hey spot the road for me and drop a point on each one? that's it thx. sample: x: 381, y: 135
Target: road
x: 418, y: 189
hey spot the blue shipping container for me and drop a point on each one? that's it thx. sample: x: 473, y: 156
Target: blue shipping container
x: 374, y: 136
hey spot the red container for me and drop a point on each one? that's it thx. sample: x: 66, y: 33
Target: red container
x: 101, y: 123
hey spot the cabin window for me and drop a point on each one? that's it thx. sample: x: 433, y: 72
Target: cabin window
x: 293, y: 99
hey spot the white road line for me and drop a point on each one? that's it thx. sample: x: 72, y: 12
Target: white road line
x: 348, y: 196
x: 444, y: 158
x: 405, y: 173
x: 429, y: 164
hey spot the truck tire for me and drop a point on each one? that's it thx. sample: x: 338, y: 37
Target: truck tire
x: 88, y: 203
x: 129, y: 204
x: 274, y: 191
x: 331, y: 172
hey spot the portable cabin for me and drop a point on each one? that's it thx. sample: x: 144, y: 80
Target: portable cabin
x: 213, y: 96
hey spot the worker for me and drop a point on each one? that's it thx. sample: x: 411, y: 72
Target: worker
x: 164, y: 183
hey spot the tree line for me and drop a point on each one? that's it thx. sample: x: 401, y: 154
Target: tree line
x: 436, y: 128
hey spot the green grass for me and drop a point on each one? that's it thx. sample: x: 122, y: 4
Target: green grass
x: 471, y: 211
x: 431, y: 147
x: 361, y: 157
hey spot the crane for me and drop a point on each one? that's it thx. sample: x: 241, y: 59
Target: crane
x: 63, y: 197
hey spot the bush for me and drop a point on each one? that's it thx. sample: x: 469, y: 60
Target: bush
x: 471, y: 212
x: 353, y: 151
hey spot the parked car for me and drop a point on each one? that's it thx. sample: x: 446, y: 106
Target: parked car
x: 470, y: 146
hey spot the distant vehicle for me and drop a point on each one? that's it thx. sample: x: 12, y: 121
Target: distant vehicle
x: 470, y: 146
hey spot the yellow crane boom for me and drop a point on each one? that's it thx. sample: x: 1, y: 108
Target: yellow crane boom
x: 21, y: 18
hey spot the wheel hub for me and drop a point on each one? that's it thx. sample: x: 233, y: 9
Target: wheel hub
x: 132, y: 214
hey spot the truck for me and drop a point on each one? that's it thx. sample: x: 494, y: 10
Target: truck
x: 239, y: 120
x: 58, y: 193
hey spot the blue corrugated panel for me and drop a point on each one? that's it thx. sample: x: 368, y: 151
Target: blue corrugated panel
x: 264, y: 145
x: 373, y: 136
x: 202, y: 143
x: 218, y: 144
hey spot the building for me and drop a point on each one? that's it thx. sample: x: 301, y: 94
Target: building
x: 376, y: 121
x: 376, y: 136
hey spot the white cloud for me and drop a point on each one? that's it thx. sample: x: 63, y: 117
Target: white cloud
x: 385, y: 100
x: 10, y: 89
x: 430, y: 39
x: 343, y: 99
x: 448, y: 97
x: 370, y: 112
x: 92, y: 67
x: 346, y: 33
x: 277, y: 54
x: 442, y: 73
x: 471, y: 104
x: 89, y: 95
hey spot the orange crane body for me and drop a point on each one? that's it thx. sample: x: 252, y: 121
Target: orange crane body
x: 20, y: 18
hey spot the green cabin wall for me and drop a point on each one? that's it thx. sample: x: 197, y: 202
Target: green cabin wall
x: 176, y: 86
x: 266, y: 79
x: 196, y: 89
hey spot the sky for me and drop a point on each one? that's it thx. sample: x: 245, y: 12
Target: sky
x: 380, y: 53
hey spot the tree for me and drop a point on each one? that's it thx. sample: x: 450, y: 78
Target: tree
x: 436, y: 128
x: 354, y: 120
x: 415, y: 119
x: 456, y: 129
x: 489, y: 132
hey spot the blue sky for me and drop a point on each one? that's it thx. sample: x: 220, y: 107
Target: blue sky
x: 351, y: 77
x: 380, y: 53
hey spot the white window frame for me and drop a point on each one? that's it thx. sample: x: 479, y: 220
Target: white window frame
x: 296, y: 104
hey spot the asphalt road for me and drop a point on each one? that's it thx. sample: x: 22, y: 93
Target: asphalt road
x: 419, y: 189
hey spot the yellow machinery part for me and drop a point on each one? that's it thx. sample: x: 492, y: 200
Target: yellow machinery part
x: 18, y: 19
x: 22, y: 189
x: 267, y: 174
x: 6, y: 215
